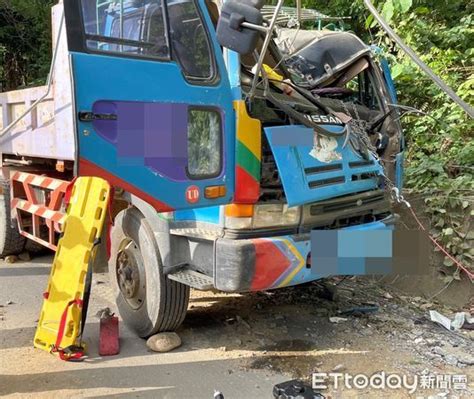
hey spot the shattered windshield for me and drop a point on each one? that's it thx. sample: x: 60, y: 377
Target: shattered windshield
x: 332, y: 66
x: 326, y: 77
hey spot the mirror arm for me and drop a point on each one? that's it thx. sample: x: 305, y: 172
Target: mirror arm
x: 258, y: 28
x: 266, y: 43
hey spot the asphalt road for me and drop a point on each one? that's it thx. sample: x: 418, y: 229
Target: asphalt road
x: 192, y: 371
x: 241, y: 345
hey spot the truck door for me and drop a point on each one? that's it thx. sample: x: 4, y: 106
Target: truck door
x: 152, y: 99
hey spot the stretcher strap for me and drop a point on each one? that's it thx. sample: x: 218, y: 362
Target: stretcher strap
x: 73, y: 352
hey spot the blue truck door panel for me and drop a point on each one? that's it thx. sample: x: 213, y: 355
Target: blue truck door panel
x: 311, y: 174
x: 151, y: 118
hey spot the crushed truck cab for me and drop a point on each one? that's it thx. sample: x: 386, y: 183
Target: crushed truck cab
x: 226, y: 145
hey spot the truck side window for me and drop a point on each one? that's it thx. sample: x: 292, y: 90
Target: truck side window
x: 204, y: 143
x: 189, y: 40
x: 128, y: 27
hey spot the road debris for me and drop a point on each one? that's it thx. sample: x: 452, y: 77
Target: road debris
x: 398, y: 337
x: 11, y: 259
x: 164, y: 342
x: 295, y: 389
x: 427, y: 306
x: 463, y: 320
x: 460, y: 320
x: 218, y: 395
x: 339, y: 367
x: 360, y: 310
x: 337, y: 320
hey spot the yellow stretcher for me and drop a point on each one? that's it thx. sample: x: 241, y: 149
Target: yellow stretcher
x: 60, y: 321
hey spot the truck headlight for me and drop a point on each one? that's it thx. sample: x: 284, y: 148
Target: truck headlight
x: 262, y: 216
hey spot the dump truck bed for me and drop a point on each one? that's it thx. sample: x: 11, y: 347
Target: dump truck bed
x: 48, y: 131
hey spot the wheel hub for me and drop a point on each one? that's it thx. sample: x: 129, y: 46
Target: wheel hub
x: 130, y: 275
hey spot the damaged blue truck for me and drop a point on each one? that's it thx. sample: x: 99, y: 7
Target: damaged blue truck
x: 229, y: 130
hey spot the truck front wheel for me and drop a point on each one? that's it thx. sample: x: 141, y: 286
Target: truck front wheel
x: 147, y: 300
x: 11, y: 242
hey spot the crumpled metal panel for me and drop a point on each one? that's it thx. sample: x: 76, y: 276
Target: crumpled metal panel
x: 311, y: 172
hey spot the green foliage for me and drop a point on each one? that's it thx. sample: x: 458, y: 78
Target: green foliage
x: 441, y: 150
x: 25, y: 42
x: 440, y: 154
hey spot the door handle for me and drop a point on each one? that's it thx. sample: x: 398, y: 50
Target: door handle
x: 87, y: 116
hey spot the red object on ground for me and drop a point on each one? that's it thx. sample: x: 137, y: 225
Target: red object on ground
x: 109, y: 344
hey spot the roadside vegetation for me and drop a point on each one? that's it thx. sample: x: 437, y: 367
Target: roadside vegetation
x: 440, y: 154
x: 25, y: 42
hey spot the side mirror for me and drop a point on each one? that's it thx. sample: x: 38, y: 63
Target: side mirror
x: 231, y: 32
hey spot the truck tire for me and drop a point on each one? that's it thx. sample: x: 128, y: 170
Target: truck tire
x: 147, y: 300
x: 35, y: 248
x: 11, y: 241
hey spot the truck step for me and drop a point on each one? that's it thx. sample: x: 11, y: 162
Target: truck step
x: 206, y: 234
x: 193, y: 279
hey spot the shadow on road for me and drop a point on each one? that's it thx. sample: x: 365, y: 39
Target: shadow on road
x: 15, y: 271
x: 152, y: 380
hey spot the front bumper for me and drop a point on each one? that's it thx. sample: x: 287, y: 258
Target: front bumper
x: 265, y: 263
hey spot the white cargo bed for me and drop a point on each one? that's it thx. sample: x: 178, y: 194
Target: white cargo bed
x: 48, y: 131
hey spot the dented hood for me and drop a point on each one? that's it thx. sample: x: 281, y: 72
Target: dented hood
x: 310, y: 172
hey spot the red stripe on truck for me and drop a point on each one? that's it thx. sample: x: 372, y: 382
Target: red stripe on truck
x: 87, y: 168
